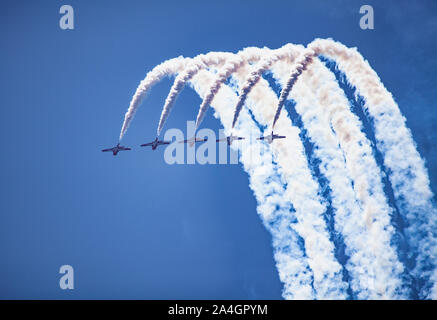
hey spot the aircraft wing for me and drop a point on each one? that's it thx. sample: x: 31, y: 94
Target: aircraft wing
x: 260, y: 138
x: 280, y: 137
x: 193, y: 140
x: 106, y: 150
x: 124, y: 148
x: 146, y: 144
x: 224, y: 139
x: 164, y: 142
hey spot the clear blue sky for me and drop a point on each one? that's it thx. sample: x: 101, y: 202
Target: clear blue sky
x: 133, y: 226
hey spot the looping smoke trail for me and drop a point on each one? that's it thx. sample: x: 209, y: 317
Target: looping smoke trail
x: 157, y: 74
x: 287, y: 51
x: 408, y: 175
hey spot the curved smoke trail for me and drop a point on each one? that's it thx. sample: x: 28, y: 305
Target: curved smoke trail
x: 289, y: 197
x: 157, y: 74
x: 247, y: 55
x: 287, y: 51
x: 202, y: 61
x: 212, y: 59
x: 297, y: 71
x: 230, y: 67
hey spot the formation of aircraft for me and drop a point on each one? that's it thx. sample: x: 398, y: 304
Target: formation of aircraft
x: 230, y: 139
x: 116, y: 149
x: 155, y: 143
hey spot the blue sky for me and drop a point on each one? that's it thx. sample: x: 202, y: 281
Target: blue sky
x: 133, y: 226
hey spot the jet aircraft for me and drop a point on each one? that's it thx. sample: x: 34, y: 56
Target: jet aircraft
x: 271, y: 137
x: 193, y: 140
x: 230, y: 139
x: 155, y: 143
x: 116, y: 149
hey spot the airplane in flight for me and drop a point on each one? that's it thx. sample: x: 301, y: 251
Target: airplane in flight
x: 116, y: 149
x: 230, y: 139
x: 271, y: 137
x: 155, y: 143
x: 193, y: 140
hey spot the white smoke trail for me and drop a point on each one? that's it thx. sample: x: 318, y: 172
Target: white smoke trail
x: 367, y: 231
x: 408, y: 175
x: 298, y: 68
x: 302, y: 190
x: 273, y: 207
x: 248, y: 55
x: 288, y: 51
x: 230, y: 67
x: 202, y: 61
x: 212, y: 59
x: 154, y: 76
